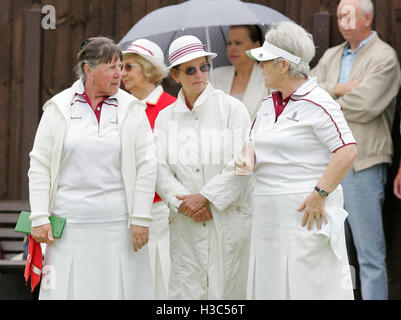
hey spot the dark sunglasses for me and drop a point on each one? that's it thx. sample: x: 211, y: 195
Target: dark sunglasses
x: 192, y: 70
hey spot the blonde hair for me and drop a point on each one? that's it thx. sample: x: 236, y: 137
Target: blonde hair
x: 152, y: 73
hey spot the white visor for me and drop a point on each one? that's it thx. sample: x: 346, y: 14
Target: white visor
x: 269, y: 52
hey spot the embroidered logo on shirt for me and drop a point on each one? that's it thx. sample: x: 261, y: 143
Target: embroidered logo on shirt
x: 293, y: 118
x: 75, y: 118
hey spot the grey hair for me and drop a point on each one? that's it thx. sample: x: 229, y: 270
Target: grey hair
x: 296, y: 40
x: 95, y: 51
x: 366, y: 7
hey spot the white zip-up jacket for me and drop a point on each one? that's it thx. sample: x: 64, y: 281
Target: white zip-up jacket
x: 138, y: 162
x: 208, y: 260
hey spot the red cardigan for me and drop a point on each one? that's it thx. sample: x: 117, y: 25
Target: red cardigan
x: 153, y: 110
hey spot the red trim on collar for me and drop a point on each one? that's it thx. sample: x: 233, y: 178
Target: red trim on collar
x: 279, y: 102
x: 98, y: 109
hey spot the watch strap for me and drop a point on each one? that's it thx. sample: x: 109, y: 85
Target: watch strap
x: 321, y: 192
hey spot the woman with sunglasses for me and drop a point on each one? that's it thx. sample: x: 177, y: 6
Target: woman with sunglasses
x: 210, y: 217
x: 143, y: 71
x: 243, y: 80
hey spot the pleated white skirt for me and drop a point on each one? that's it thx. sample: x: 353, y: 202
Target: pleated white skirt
x: 96, y: 261
x: 287, y: 261
x: 159, y: 249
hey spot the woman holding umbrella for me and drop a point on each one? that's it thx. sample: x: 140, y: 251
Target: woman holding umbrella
x: 143, y: 71
x: 210, y: 217
x: 243, y: 80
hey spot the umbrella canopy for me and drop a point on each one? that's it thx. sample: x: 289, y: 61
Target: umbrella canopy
x: 208, y: 20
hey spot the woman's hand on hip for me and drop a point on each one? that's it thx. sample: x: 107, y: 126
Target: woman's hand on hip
x: 140, y: 236
x: 313, y: 208
x: 43, y: 233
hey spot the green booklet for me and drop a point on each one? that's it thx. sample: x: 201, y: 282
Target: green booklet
x: 24, y: 224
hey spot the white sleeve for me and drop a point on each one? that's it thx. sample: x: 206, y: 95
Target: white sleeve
x: 167, y: 186
x: 223, y: 189
x: 331, y: 128
x: 146, y: 172
x: 39, y: 171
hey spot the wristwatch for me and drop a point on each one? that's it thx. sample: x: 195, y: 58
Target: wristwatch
x: 321, y: 192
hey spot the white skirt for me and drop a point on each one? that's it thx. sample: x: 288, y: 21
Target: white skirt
x: 287, y: 261
x: 159, y: 249
x: 96, y: 261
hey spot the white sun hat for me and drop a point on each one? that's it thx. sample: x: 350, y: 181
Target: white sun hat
x: 148, y: 50
x: 269, y: 52
x: 187, y: 48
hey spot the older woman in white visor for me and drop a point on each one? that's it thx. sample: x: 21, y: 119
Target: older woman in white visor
x: 210, y: 217
x: 143, y: 71
x: 303, y: 150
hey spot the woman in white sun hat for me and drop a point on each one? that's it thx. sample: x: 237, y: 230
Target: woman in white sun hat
x: 210, y: 217
x: 143, y: 71
x: 304, y: 148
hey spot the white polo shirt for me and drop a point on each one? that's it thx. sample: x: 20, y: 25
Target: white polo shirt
x: 293, y: 152
x: 91, y: 187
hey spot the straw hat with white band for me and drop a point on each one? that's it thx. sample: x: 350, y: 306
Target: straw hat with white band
x: 187, y: 48
x: 148, y: 50
x: 269, y: 52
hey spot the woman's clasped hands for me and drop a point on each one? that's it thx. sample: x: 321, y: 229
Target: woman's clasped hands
x: 195, y: 206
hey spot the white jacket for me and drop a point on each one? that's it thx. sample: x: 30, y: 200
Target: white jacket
x: 208, y: 260
x: 255, y: 92
x: 138, y: 157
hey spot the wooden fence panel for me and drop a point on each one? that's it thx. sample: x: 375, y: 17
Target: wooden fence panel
x: 31, y: 92
x: 17, y: 90
x: 108, y: 18
x: 5, y: 95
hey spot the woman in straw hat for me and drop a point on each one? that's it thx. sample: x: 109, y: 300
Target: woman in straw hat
x: 197, y: 137
x: 303, y: 148
x: 143, y: 71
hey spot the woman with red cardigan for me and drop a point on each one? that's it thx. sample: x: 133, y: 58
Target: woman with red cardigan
x: 143, y: 71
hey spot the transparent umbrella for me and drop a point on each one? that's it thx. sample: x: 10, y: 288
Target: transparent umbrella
x: 208, y: 20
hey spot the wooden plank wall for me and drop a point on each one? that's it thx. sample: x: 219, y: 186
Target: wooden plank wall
x: 77, y: 20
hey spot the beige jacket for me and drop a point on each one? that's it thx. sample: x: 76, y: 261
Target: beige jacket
x: 369, y: 108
